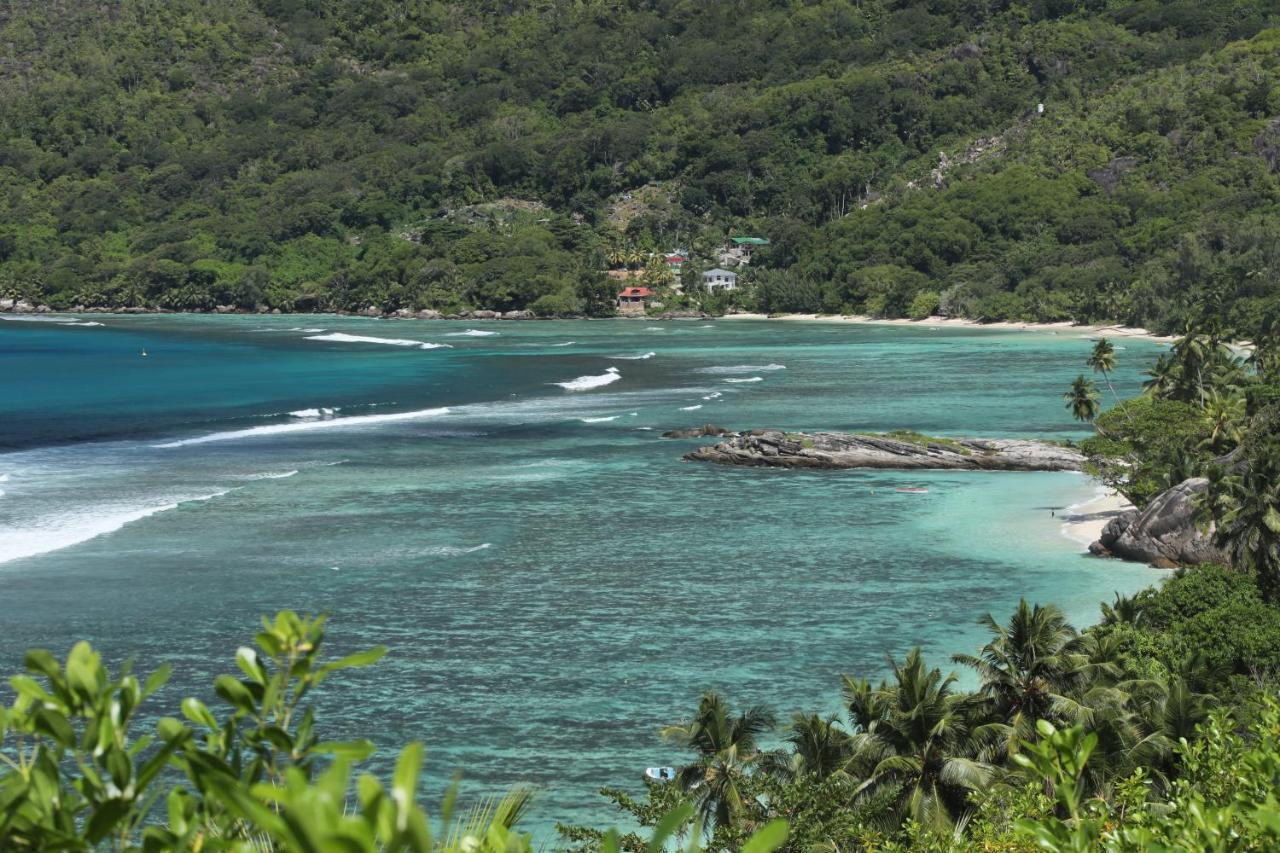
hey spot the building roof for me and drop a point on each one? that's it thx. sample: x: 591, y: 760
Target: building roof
x: 750, y: 241
x: 675, y: 259
x: 718, y: 271
x: 636, y: 291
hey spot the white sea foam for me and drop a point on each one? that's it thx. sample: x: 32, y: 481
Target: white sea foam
x: 61, y: 321
x: 311, y: 414
x: 586, y: 383
x: 306, y: 425
x: 471, y: 333
x: 751, y: 379
x: 741, y: 368
x: 54, y: 534
x: 643, y: 357
x: 713, y: 395
x: 342, y: 337
x: 598, y: 420
x: 456, y: 550
x: 644, y: 429
x: 654, y: 329
x: 565, y: 344
x: 270, y: 475
x: 691, y: 408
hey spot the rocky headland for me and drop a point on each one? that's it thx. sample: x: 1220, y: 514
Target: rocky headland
x: 1165, y: 533
x: 901, y: 451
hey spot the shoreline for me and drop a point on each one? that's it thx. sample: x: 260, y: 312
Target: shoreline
x: 1113, y: 330
x: 1083, y: 522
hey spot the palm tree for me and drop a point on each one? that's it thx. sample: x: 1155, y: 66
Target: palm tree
x: 916, y: 734
x: 1125, y: 610
x: 1026, y: 667
x: 1103, y: 360
x: 726, y: 749
x: 1224, y: 415
x: 819, y: 746
x: 1164, y: 377
x: 616, y: 255
x: 1245, y: 507
x: 1082, y: 399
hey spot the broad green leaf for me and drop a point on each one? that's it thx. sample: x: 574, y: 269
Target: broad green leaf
x: 247, y: 660
x: 767, y: 839
x: 234, y: 693
x: 359, y: 659
x: 670, y: 825
x: 353, y: 750
x: 157, y: 679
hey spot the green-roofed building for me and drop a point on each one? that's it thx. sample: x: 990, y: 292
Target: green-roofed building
x: 749, y: 241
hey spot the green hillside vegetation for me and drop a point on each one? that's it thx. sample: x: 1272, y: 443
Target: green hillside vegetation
x: 307, y: 155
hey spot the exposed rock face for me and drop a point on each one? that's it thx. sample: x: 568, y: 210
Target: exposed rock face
x: 697, y: 432
x: 845, y: 450
x: 1165, y: 533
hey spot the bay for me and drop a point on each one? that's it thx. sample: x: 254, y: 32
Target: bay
x: 499, y: 508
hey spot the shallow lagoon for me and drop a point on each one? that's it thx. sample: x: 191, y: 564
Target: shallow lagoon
x: 553, y: 581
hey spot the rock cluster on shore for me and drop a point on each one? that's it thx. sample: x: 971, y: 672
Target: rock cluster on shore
x: 1166, y: 533
x: 776, y: 448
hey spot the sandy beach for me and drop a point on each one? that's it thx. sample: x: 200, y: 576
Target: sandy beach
x: 1114, y: 331
x: 1083, y: 522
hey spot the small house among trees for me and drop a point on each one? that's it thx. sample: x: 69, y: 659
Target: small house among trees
x: 717, y: 278
x: 632, y: 300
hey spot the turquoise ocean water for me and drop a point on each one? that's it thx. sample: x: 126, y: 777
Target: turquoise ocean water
x: 553, y: 581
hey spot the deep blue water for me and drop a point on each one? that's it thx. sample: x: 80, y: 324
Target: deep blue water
x: 553, y: 581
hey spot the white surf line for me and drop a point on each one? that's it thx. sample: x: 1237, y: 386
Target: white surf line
x: 307, y: 426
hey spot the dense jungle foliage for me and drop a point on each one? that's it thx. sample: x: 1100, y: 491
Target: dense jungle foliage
x: 1105, y: 160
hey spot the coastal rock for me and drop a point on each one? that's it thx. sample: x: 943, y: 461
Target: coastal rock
x: 428, y: 314
x: 518, y: 315
x: 1166, y: 533
x: 485, y: 315
x: 697, y: 432
x: 849, y: 450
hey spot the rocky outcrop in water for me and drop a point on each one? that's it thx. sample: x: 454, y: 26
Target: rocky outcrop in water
x: 1166, y: 533
x: 779, y: 449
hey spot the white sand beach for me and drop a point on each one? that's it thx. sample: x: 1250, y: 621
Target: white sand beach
x: 1114, y: 331
x: 1083, y: 522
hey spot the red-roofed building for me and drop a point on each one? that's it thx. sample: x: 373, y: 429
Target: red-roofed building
x: 631, y: 300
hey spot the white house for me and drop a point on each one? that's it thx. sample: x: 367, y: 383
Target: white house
x: 718, y: 278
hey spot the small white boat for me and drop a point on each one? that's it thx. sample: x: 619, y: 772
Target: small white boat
x: 660, y: 774
x: 912, y: 490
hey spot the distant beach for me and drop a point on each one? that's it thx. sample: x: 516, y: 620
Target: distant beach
x: 1116, y: 331
x: 1084, y: 522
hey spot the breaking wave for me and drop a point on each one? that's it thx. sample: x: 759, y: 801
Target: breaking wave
x: 751, y: 379
x: 644, y: 357
x: 342, y: 337
x: 598, y: 420
x: 586, y: 383
x: 307, y: 425
x: 54, y: 534
x: 456, y: 550
x: 741, y: 368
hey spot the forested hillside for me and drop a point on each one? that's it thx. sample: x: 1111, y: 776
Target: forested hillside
x: 1103, y: 160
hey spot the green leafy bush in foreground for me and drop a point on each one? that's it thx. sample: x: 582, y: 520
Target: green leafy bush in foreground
x: 255, y: 777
